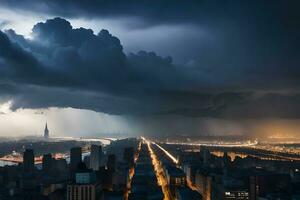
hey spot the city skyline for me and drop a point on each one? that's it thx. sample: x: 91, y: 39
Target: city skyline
x: 149, y: 100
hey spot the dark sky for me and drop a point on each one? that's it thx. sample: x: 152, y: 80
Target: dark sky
x: 226, y: 60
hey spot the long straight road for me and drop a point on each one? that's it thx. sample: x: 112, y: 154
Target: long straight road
x: 131, y: 172
x: 175, y: 161
x: 162, y: 180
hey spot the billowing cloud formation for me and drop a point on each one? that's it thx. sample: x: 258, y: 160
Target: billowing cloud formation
x: 61, y: 66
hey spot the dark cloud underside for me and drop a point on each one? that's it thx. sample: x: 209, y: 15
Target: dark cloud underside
x: 250, y: 69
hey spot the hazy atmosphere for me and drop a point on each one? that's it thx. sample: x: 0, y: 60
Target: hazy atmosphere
x: 149, y: 67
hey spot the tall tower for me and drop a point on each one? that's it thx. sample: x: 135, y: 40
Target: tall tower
x: 28, y: 160
x: 46, y: 132
x: 128, y: 155
x: 95, y: 157
x: 75, y: 157
x: 111, y: 162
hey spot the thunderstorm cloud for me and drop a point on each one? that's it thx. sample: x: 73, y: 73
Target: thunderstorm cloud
x: 225, y: 60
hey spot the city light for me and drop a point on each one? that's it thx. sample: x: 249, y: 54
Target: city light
x: 162, y: 181
x: 167, y: 153
x: 205, y: 107
x: 218, y: 143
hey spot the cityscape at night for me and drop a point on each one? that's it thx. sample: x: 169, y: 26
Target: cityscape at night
x: 43, y: 167
x: 149, y: 100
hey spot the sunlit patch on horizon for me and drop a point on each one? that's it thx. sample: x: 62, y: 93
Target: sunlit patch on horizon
x: 5, y: 107
x: 61, y: 122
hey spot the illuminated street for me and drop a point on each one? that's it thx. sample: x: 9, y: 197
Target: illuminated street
x: 218, y: 143
x: 131, y: 172
x: 189, y: 184
x: 264, y: 151
x: 149, y: 100
x: 162, y: 181
x: 167, y: 153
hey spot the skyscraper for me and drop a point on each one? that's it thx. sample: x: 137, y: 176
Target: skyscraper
x: 128, y: 155
x: 28, y: 160
x: 205, y: 154
x: 111, y: 162
x: 46, y: 132
x: 75, y: 157
x: 95, y: 158
x: 47, y: 162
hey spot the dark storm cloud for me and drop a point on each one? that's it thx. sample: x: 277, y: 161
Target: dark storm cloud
x: 77, y: 60
x: 166, y: 11
x: 147, y: 10
x: 66, y: 67
x: 247, y: 32
x: 16, y: 62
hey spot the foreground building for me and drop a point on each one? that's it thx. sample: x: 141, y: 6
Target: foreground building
x: 85, y: 186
